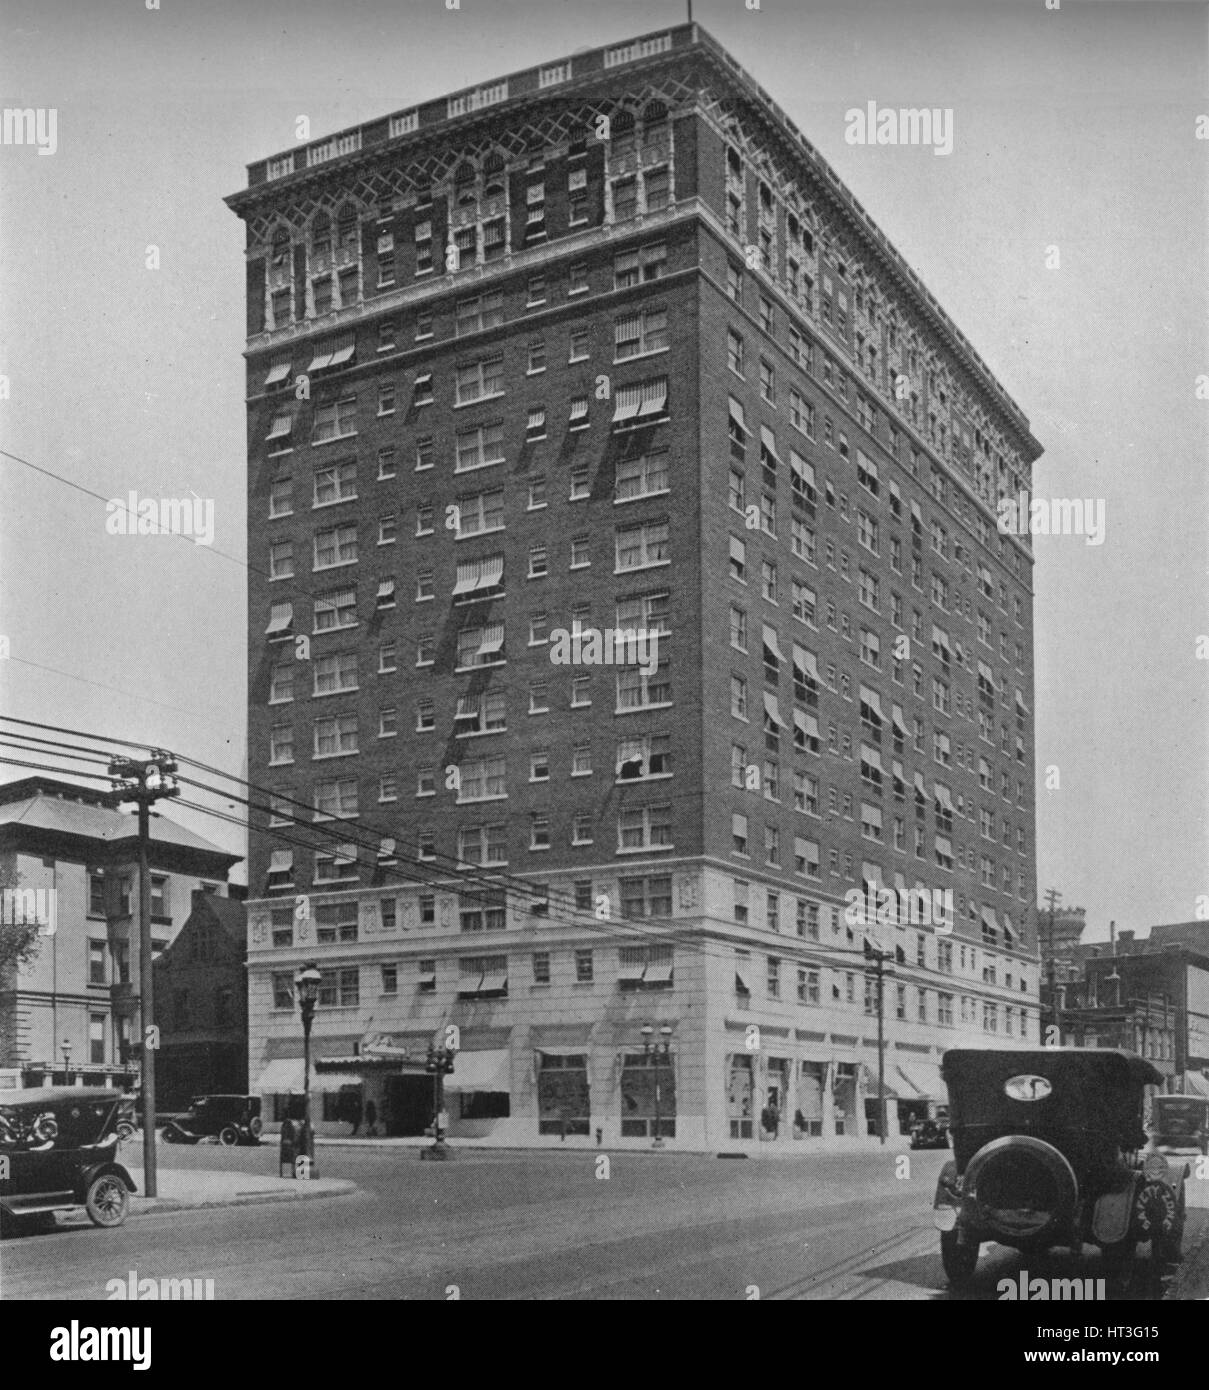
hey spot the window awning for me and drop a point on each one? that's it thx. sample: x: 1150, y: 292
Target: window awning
x: 281, y: 426
x: 277, y: 372
x: 894, y: 492
x: 923, y: 1076
x: 737, y: 415
x: 865, y: 462
x: 320, y: 360
x: 628, y: 403
x: 281, y: 860
x: 386, y: 848
x: 873, y: 816
x: 467, y: 580
x: 873, y: 700
x: 489, y: 1070
x: 468, y: 707
x: 808, y: 724
x: 801, y: 468
x: 989, y: 919
x: 944, y: 845
x: 916, y: 513
x: 772, y: 710
x: 654, y: 397
x: 579, y: 407
x: 632, y: 970
x: 1009, y: 934
x: 940, y: 637
x: 343, y: 353
x: 1020, y: 705
x: 919, y: 786
x: 386, y: 588
x: 658, y: 973
x: 770, y: 641
x: 738, y: 551
x: 741, y: 985
x: 346, y: 854
x: 899, y: 722
x: 769, y: 441
x: 491, y: 572
x: 493, y: 981
x: 942, y: 795
x: 428, y: 977
x: 493, y: 641
x: 804, y: 660
x: 987, y: 674
x: 281, y: 618
x: 897, y: 768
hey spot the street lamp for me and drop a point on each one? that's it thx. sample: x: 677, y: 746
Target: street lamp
x: 438, y: 1063
x: 65, y: 1047
x: 306, y: 983
x: 657, y: 1051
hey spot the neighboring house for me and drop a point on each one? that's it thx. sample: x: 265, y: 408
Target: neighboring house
x: 71, y: 1013
x: 201, y: 1004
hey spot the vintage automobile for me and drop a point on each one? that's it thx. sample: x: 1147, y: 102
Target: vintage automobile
x: 57, y: 1150
x: 1179, y: 1122
x: 229, y: 1119
x: 1046, y: 1152
x: 929, y: 1134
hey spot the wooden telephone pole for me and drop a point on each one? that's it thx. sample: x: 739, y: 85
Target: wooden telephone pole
x: 1052, y: 899
x: 145, y: 781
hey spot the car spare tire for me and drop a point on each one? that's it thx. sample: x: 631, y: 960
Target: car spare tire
x: 1022, y: 1188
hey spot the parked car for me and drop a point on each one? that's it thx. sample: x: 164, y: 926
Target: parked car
x: 229, y: 1119
x: 57, y: 1150
x: 1046, y: 1152
x: 929, y: 1134
x: 1179, y: 1122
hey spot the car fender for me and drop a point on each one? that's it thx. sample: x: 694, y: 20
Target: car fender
x: 89, y: 1175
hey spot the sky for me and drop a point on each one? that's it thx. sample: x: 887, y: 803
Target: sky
x: 1065, y: 235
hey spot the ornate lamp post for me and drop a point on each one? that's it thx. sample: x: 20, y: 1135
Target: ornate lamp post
x: 306, y: 983
x: 439, y: 1062
x: 65, y: 1047
x: 657, y: 1052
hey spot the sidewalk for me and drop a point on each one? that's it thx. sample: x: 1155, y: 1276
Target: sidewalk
x: 778, y: 1148
x: 181, y: 1189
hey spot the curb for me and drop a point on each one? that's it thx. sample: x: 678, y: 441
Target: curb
x: 305, y: 1192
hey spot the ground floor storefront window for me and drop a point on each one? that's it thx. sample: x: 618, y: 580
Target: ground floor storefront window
x: 563, y: 1097
x: 648, y: 1097
x: 808, y: 1114
x: 740, y: 1091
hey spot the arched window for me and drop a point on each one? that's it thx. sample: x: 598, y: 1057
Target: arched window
x: 347, y: 227
x: 321, y: 235
x: 493, y: 175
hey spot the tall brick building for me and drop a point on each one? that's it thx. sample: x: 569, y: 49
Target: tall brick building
x: 606, y: 344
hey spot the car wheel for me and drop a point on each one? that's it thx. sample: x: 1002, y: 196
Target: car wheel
x: 125, y: 1131
x: 228, y: 1136
x: 959, y: 1260
x: 255, y: 1125
x: 108, y: 1201
x: 168, y: 1134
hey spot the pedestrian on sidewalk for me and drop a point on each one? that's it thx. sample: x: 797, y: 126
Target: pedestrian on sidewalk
x: 371, y: 1120
x: 354, y: 1112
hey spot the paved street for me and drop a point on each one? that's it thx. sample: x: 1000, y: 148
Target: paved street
x: 544, y: 1225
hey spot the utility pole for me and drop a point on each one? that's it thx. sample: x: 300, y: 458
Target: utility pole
x: 145, y: 781
x: 876, y: 952
x: 1052, y: 899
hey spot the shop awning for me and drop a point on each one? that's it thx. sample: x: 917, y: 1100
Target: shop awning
x: 480, y: 1071
x: 281, y: 1076
x: 923, y: 1075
